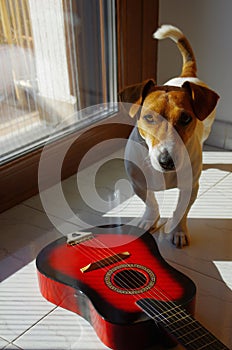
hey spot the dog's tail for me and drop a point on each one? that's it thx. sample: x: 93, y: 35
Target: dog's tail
x: 189, y: 68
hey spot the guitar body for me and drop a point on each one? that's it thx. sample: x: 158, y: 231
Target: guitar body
x: 105, y: 277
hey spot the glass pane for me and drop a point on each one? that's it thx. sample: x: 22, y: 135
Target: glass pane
x: 57, y: 58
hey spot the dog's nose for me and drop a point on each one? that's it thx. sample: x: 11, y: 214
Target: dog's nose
x: 166, y: 161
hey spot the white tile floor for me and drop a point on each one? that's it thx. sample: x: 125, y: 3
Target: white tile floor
x: 27, y: 321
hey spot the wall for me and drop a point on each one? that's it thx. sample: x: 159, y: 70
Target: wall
x: 208, y: 25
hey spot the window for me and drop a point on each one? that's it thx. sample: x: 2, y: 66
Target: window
x: 62, y: 56
x: 58, y: 58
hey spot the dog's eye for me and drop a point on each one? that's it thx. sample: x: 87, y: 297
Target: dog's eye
x: 185, y: 119
x: 148, y: 118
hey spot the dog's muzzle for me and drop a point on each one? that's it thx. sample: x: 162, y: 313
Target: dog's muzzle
x: 166, y: 161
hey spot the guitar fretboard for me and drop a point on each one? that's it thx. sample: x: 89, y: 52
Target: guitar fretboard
x: 181, y: 325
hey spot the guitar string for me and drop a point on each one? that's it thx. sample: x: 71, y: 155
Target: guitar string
x: 159, y: 293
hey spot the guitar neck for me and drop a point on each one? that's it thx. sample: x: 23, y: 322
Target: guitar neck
x: 181, y: 325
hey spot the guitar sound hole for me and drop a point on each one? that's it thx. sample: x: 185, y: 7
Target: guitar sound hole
x: 129, y: 279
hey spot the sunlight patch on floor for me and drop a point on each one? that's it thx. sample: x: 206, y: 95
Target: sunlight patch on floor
x: 217, y: 157
x: 225, y: 268
x: 214, y: 197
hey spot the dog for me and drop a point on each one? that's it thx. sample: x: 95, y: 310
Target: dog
x: 164, y: 150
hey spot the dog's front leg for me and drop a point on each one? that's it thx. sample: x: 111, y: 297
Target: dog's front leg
x: 138, y: 181
x: 151, y: 215
x: 179, y: 229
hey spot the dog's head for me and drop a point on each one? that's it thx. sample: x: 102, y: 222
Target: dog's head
x: 167, y: 117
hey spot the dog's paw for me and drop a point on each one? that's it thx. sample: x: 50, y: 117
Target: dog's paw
x: 150, y: 224
x: 180, y: 239
x: 178, y: 234
x: 158, y: 226
x: 149, y: 220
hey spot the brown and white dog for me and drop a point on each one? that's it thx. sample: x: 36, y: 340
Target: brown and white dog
x: 164, y: 150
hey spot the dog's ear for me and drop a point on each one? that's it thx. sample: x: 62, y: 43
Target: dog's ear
x: 135, y: 94
x: 204, y: 99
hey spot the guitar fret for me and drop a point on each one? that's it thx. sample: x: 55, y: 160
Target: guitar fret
x: 194, y: 326
x: 178, y: 318
x: 174, y: 312
x: 198, y: 338
x: 186, y: 325
x: 188, y: 333
x: 210, y: 345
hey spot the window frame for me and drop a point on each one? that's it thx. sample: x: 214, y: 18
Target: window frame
x: 136, y: 61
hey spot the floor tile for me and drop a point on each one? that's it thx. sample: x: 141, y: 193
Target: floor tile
x: 209, y: 178
x: 210, y: 240
x: 12, y: 347
x: 9, y: 265
x: 24, y: 231
x: 224, y: 187
x: 21, y: 304
x: 61, y: 329
x: 3, y: 343
x: 216, y: 203
x: 224, y: 268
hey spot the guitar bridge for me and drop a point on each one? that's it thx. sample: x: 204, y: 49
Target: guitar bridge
x: 109, y: 260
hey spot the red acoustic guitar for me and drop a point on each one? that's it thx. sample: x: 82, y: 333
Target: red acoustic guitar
x: 116, y: 279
